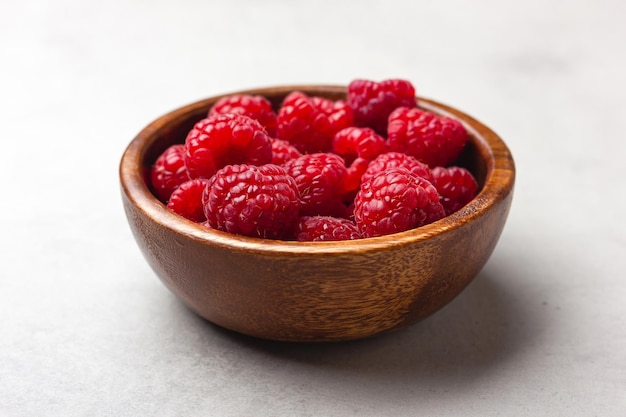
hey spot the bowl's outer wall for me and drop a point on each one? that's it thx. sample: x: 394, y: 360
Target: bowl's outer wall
x: 318, y: 295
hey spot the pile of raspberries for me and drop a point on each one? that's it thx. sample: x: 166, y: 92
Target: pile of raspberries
x: 316, y: 169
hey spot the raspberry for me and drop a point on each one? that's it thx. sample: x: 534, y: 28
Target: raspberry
x: 186, y: 200
x: 389, y: 160
x: 319, y: 178
x: 325, y: 228
x: 283, y: 151
x: 338, y: 112
x: 309, y: 123
x: 395, y: 200
x: 358, y: 142
x: 225, y: 139
x: 258, y: 108
x: 372, y: 101
x: 168, y: 172
x: 352, y: 180
x: 456, y: 187
x: 433, y: 139
x: 259, y: 201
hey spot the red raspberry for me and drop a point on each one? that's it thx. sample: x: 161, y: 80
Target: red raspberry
x: 433, y: 139
x: 309, y: 123
x: 456, y: 187
x: 319, y: 178
x: 186, y: 200
x: 283, y: 151
x: 352, y: 180
x: 259, y: 201
x: 226, y: 139
x: 372, y: 101
x: 338, y: 112
x: 390, y: 160
x: 258, y: 108
x: 394, y: 201
x: 325, y: 228
x: 168, y: 172
x: 358, y: 142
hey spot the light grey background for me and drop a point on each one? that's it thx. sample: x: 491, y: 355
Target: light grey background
x: 87, y: 328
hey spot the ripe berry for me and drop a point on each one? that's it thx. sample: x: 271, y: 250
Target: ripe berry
x: 390, y: 160
x: 319, y: 179
x: 394, y: 201
x: 433, y: 139
x: 339, y: 114
x: 258, y: 108
x: 456, y: 187
x: 352, y: 180
x: 186, y: 200
x: 259, y: 201
x: 325, y: 228
x: 168, y: 172
x: 309, y: 123
x: 283, y: 151
x: 358, y: 142
x: 225, y: 139
x: 372, y: 101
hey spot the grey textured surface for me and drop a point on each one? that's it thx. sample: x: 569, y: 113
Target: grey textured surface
x: 87, y: 329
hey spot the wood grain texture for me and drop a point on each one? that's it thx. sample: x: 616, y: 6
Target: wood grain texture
x: 316, y: 292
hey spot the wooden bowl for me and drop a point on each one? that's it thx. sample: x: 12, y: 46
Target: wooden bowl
x: 319, y: 291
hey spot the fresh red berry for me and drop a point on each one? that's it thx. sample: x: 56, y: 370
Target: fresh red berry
x: 168, y: 172
x: 226, y: 139
x: 309, y: 123
x: 373, y: 101
x: 394, y: 201
x: 354, y: 174
x: 186, y: 200
x: 358, y: 142
x: 456, y: 186
x: 390, y: 160
x: 325, y: 228
x: 258, y: 108
x: 283, y: 151
x: 319, y: 177
x: 259, y: 201
x: 433, y: 139
x: 339, y: 114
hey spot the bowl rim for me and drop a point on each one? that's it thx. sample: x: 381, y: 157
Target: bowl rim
x: 498, y: 184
